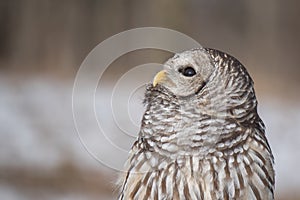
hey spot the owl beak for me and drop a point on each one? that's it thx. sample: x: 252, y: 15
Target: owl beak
x: 159, y: 77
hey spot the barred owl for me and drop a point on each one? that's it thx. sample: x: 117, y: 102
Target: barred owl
x: 201, y: 136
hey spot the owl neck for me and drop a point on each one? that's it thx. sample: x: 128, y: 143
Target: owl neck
x: 176, y: 127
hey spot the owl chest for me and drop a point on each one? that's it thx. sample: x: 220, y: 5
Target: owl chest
x: 191, y: 178
x: 182, y: 179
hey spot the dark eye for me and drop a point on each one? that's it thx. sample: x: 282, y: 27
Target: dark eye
x: 187, y: 71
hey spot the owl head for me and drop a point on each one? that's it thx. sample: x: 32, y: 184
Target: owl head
x: 213, y: 80
x: 186, y: 73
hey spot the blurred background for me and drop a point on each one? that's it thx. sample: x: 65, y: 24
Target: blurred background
x: 43, y: 43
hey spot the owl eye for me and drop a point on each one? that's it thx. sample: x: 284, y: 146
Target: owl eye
x: 187, y: 71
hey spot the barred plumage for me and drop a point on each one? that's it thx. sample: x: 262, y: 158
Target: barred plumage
x: 201, y: 136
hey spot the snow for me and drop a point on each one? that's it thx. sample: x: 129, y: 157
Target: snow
x: 38, y: 131
x: 283, y: 124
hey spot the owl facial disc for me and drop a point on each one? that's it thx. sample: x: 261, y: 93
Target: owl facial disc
x: 185, y: 73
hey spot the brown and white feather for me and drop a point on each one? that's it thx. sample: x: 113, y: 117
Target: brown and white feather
x: 210, y: 144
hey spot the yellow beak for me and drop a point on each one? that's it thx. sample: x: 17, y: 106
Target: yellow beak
x: 159, y: 77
